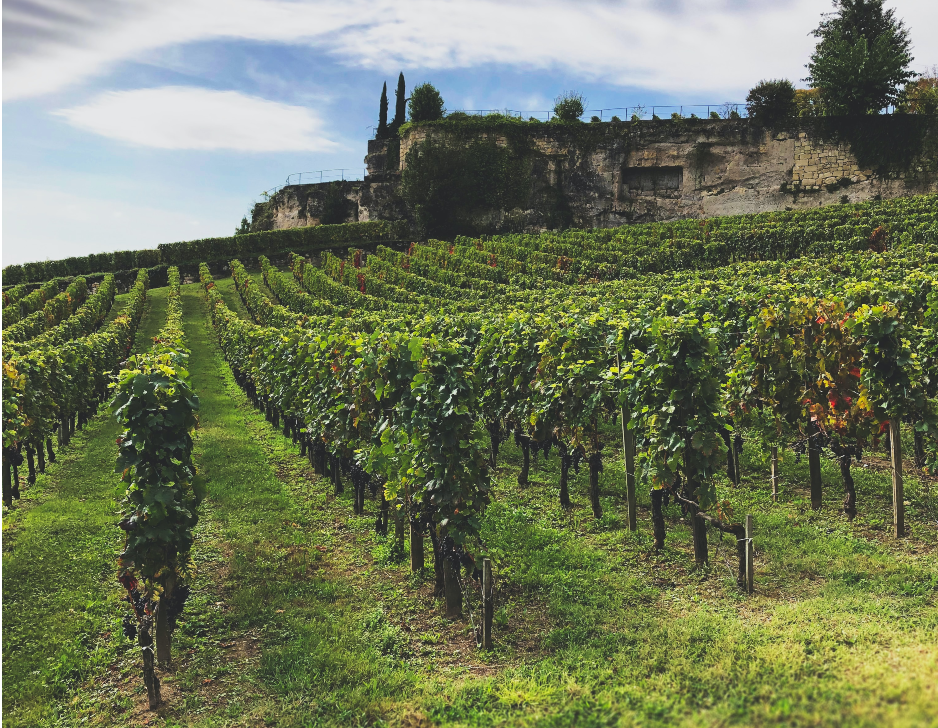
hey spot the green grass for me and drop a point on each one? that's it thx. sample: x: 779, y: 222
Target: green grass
x: 302, y: 616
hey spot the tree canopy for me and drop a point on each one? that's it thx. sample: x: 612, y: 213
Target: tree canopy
x: 861, y: 61
x: 425, y: 103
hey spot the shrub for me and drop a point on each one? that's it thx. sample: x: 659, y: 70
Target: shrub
x: 616, y: 119
x: 714, y: 114
x: 675, y: 116
x: 569, y: 106
x: 425, y: 104
x: 921, y: 97
x: 770, y: 102
x: 595, y: 119
x: 809, y: 103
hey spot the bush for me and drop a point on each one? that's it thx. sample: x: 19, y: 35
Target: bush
x: 595, y: 120
x: 770, y: 102
x: 809, y: 103
x: 921, y: 96
x: 425, y: 104
x: 569, y: 106
x: 714, y: 114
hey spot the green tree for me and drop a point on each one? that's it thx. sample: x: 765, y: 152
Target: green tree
x: 425, y: 103
x: 569, y: 106
x: 382, y: 132
x: 245, y: 226
x: 400, y: 108
x: 862, y: 58
x: 770, y: 102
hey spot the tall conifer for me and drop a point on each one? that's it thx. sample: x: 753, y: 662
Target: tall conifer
x: 382, y: 132
x: 400, y: 109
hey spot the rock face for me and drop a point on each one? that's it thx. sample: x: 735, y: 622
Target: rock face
x: 616, y: 173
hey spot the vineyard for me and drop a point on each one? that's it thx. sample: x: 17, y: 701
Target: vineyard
x: 666, y: 474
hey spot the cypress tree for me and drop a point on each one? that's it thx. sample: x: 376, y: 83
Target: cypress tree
x: 383, y: 114
x: 400, y: 109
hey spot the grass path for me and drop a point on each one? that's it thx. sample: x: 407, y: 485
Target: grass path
x: 59, y: 546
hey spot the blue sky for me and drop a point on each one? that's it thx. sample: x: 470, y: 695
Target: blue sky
x: 127, y: 123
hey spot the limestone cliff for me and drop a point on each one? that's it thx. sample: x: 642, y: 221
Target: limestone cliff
x: 608, y: 174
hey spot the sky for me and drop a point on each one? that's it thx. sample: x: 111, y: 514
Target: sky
x: 129, y: 123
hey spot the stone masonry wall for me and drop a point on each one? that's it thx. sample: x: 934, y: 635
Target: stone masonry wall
x: 820, y: 165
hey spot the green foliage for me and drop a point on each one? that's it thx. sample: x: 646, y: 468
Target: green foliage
x: 677, y: 406
x: 335, y: 206
x: 425, y: 104
x: 46, y: 385
x: 445, y: 185
x: 245, y: 227
x: 569, y: 106
x: 154, y: 403
x: 772, y: 102
x: 862, y: 58
x: 212, y: 249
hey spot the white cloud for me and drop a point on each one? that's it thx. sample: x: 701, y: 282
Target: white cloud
x: 678, y: 45
x: 52, y: 223
x: 180, y: 117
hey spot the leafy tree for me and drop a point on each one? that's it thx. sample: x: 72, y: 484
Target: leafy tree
x: 382, y: 132
x: 862, y: 58
x: 425, y: 103
x: 245, y: 227
x: 400, y: 108
x: 569, y: 106
x: 770, y: 102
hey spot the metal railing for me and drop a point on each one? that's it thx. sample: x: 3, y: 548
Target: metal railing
x: 639, y: 111
x: 317, y: 177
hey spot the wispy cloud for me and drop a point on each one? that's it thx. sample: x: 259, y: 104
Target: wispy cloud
x: 678, y: 45
x: 180, y: 117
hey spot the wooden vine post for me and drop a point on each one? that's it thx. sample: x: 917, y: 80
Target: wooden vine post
x: 898, y: 495
x: 750, y: 554
x: 775, y: 476
x: 699, y: 530
x: 488, y: 603
x: 814, y: 465
x: 628, y: 450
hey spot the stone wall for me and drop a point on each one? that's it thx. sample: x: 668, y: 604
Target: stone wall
x: 615, y: 173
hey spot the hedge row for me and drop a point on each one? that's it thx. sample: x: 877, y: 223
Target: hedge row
x: 195, y: 251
